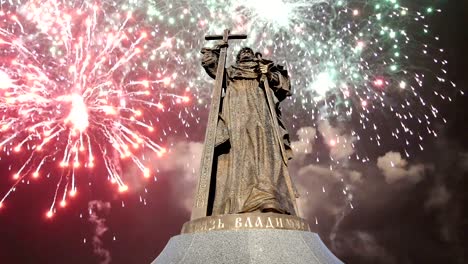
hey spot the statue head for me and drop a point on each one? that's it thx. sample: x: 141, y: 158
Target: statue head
x: 245, y: 54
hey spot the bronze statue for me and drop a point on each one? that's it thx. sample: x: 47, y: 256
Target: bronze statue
x: 248, y: 170
x: 244, y: 185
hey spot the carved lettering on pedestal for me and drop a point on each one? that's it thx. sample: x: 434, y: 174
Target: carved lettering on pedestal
x: 238, y: 222
x: 269, y: 224
x: 279, y: 222
x: 220, y: 224
x: 246, y: 221
x: 258, y: 223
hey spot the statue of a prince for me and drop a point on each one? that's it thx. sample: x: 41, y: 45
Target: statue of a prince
x: 244, y: 193
x: 252, y: 143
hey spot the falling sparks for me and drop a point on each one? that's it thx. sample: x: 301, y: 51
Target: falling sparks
x: 75, y: 91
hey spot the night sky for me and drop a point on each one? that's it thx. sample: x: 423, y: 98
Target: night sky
x: 420, y: 216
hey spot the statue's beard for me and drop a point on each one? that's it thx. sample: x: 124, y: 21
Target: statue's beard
x: 246, y: 57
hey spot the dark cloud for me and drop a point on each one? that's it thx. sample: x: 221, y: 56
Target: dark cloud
x: 355, y: 206
x: 369, y: 248
x: 464, y: 161
x: 438, y: 196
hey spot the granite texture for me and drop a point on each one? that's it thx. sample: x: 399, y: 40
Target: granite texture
x: 246, y: 246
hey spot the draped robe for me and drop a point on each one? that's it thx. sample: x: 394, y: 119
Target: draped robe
x: 250, y: 166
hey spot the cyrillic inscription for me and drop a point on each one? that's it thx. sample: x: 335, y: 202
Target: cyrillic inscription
x: 246, y: 221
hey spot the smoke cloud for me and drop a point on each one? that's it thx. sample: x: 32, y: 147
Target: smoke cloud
x: 325, y: 190
x: 303, y: 146
x: 395, y: 168
x: 341, y: 144
x: 438, y: 197
x: 464, y: 161
x: 365, y: 245
x: 183, y: 162
x: 95, y: 208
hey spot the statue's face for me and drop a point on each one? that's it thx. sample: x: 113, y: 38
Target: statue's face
x: 245, y: 55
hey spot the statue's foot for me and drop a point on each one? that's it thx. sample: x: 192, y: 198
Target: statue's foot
x: 271, y: 208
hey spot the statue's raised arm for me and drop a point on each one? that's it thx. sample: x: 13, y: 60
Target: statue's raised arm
x: 210, y: 59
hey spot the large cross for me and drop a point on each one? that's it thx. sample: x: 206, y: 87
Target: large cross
x: 200, y: 207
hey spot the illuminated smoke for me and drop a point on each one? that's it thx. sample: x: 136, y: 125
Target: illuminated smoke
x: 96, y: 209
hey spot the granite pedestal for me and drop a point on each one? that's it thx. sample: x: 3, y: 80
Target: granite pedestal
x: 257, y: 246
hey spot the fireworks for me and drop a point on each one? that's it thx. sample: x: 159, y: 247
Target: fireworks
x: 74, y: 91
x: 83, y: 83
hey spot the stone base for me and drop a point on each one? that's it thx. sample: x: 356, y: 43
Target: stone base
x: 246, y: 246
